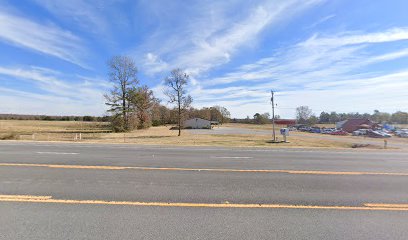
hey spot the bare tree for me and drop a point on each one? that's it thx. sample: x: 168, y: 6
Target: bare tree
x: 176, y: 92
x: 303, y: 113
x: 225, y: 115
x: 160, y: 115
x: 261, y: 118
x: 122, y: 73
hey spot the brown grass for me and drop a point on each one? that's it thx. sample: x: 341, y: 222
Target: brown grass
x: 33, y: 126
x: 93, y: 132
x: 267, y: 126
x: 8, y: 136
x: 163, y: 136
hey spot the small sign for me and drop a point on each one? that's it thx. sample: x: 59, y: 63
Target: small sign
x: 284, y: 131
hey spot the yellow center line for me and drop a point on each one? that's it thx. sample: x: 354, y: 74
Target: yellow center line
x: 386, y: 205
x: 24, y: 197
x: 312, y: 172
x: 41, y: 199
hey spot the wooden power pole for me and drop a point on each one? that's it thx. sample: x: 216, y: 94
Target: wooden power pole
x: 273, y: 118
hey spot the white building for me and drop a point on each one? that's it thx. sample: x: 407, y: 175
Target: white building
x: 197, y: 123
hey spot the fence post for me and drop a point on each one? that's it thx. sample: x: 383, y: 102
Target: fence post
x: 33, y: 137
x: 80, y: 136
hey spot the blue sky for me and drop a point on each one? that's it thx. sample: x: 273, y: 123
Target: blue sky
x: 332, y: 55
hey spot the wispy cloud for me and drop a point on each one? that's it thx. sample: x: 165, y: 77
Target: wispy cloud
x: 234, y: 50
x: 26, y: 102
x: 321, y: 21
x: 321, y: 68
x: 318, y: 56
x: 350, y: 38
x: 211, y: 38
x: 53, y: 86
x: 153, y: 64
x: 44, y: 38
x: 89, y: 15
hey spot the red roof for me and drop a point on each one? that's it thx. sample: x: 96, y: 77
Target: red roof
x: 354, y: 124
x: 285, y: 121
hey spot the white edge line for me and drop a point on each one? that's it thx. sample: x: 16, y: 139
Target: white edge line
x: 58, y: 153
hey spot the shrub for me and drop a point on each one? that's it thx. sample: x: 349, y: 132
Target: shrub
x: 88, y: 119
x: 156, y: 123
x: 9, y: 136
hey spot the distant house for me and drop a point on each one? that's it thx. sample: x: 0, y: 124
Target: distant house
x: 197, y: 123
x: 352, y: 125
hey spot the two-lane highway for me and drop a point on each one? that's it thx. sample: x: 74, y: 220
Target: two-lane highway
x: 95, y: 191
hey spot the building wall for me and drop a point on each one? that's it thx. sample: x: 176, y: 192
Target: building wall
x: 340, y: 124
x: 197, y: 123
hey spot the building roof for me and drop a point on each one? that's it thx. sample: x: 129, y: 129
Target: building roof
x: 285, y: 121
x: 197, y: 119
x: 356, y: 123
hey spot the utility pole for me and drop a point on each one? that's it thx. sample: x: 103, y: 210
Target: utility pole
x: 273, y: 117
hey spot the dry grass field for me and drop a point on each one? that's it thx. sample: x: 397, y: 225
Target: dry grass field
x: 97, y: 132
x: 267, y: 126
x: 48, y: 130
x: 33, y: 126
x: 163, y: 136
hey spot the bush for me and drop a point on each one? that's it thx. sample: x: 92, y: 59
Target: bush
x: 117, y: 124
x: 46, y: 118
x: 156, y: 123
x: 104, y: 119
x: 9, y: 136
x: 88, y: 119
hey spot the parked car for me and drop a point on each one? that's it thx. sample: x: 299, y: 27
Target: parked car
x: 360, y: 132
x: 315, y: 130
x: 384, y: 133
x: 328, y: 130
x: 404, y: 135
x: 304, y: 129
x: 357, y: 133
x: 378, y: 134
x: 299, y: 126
x: 401, y: 132
x: 339, y: 132
x: 292, y: 128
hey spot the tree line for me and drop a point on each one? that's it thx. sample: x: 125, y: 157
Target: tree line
x: 134, y: 106
x: 159, y: 115
x: 305, y: 115
x: 54, y: 118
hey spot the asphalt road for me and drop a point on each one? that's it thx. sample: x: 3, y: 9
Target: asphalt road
x: 88, y: 191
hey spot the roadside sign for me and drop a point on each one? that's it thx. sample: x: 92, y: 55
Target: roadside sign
x: 284, y: 131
